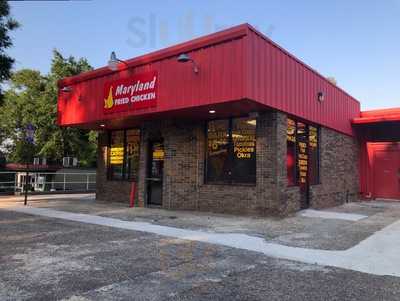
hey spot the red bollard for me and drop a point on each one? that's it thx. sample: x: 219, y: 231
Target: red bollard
x: 132, y: 196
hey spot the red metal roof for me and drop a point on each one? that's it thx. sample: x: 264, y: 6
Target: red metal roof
x: 241, y: 70
x: 377, y: 116
x: 192, y: 45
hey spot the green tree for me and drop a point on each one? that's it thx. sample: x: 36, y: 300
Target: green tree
x: 32, y: 98
x: 19, y: 109
x: 7, y: 24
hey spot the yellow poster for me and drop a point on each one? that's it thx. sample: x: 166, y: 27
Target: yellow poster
x: 116, y: 155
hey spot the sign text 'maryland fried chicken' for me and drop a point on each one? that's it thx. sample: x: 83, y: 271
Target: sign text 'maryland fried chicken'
x: 135, y: 92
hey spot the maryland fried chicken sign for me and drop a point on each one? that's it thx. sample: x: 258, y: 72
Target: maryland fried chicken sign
x: 135, y: 92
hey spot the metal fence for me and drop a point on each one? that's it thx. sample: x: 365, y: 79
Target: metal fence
x: 42, y: 182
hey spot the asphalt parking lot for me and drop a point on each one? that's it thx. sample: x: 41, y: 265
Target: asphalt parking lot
x: 44, y: 258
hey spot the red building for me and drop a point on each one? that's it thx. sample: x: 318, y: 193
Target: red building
x: 229, y: 122
x: 379, y: 134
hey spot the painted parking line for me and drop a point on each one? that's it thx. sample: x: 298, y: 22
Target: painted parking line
x: 332, y: 215
x: 379, y: 254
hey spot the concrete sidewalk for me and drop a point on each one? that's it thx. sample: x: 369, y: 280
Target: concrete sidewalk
x: 379, y: 254
x: 323, y: 230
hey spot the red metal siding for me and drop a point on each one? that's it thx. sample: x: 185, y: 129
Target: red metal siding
x: 235, y: 64
x: 219, y: 80
x: 279, y: 80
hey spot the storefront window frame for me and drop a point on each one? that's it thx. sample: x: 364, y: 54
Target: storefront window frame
x: 229, y: 181
x: 295, y: 172
x: 318, y: 153
x: 125, y: 175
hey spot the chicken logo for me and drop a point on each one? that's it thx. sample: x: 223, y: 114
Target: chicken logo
x: 109, y: 101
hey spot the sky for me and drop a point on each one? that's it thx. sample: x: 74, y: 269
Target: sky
x: 356, y: 42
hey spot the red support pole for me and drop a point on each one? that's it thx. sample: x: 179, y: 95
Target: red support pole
x: 132, y: 196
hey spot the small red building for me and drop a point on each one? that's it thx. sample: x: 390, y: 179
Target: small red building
x: 229, y: 122
x: 379, y: 134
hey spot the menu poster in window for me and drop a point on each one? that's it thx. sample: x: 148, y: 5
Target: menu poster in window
x: 116, y: 155
x: 244, y: 138
x: 291, y: 130
x: 312, y: 137
x: 291, y: 151
x: 313, y: 155
x: 158, y: 152
x: 117, y: 148
x: 244, y: 150
x: 302, y: 153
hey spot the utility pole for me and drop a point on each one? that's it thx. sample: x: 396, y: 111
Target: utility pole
x: 30, y: 139
x: 26, y: 184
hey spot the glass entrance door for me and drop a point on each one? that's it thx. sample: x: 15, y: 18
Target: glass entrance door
x: 155, y: 173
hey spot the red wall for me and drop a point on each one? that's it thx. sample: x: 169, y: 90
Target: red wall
x: 219, y: 80
x: 367, y: 164
x: 235, y: 64
x: 279, y: 80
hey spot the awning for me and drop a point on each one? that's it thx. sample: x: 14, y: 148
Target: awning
x: 378, y: 116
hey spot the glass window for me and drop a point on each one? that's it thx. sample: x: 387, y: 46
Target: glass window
x: 231, y: 151
x: 157, y: 162
x: 218, y: 151
x: 302, y: 153
x: 124, y: 154
x: 116, y: 155
x: 132, y: 153
x: 313, y: 154
x: 291, y: 152
x: 244, y: 150
x: 302, y: 159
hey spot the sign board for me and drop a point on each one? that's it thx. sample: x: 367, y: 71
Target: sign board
x: 135, y: 92
x: 30, y: 133
x: 117, y: 155
x: 302, y: 153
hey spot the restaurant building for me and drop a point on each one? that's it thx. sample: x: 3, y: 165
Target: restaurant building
x: 229, y: 122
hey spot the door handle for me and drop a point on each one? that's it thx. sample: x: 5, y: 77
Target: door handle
x: 153, y: 179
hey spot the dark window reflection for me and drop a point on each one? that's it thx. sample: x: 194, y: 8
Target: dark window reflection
x: 302, y: 156
x: 132, y: 153
x: 218, y: 151
x: 231, y: 151
x: 123, y: 155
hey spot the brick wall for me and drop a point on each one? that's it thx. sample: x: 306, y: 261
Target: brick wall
x: 183, y: 183
x: 184, y: 186
x: 339, y: 172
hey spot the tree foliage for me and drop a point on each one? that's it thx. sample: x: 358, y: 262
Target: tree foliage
x: 32, y: 98
x: 7, y: 24
x: 332, y: 80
